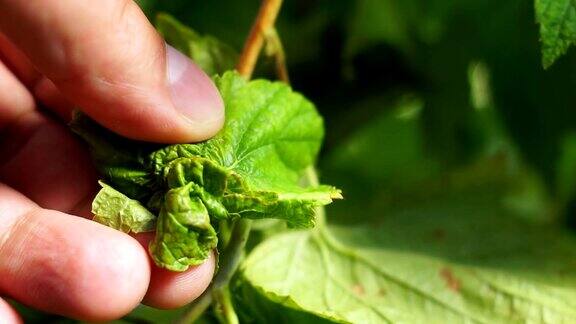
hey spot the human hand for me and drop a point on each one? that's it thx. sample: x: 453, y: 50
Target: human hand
x: 107, y: 59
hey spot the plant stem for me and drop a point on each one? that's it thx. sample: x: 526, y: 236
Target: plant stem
x: 230, y: 260
x: 233, y: 252
x: 198, y: 308
x: 262, y: 26
x: 225, y: 301
x: 275, y: 49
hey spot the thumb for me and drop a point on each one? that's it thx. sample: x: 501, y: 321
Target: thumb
x: 108, y: 60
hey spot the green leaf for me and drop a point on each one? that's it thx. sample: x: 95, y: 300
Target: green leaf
x: 213, y: 56
x: 557, y: 19
x: 271, y: 135
x: 250, y: 169
x: 114, y: 209
x: 455, y: 263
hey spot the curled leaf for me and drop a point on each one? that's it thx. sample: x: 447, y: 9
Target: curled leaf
x: 114, y: 209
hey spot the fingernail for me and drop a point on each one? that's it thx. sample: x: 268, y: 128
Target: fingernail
x: 193, y: 92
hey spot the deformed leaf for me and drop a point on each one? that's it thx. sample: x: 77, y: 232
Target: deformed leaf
x: 557, y: 19
x: 112, y: 208
x: 250, y: 169
x: 271, y: 135
x: 184, y: 235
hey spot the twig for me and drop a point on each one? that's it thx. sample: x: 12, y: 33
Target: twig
x: 262, y: 26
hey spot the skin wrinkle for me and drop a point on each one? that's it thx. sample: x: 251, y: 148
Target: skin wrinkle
x: 68, y: 54
x: 58, y: 167
x: 17, y: 62
x: 46, y: 265
x: 124, y: 7
x: 10, y: 217
x: 138, y: 93
x: 128, y: 32
x: 21, y: 233
x: 29, y: 131
x: 56, y: 47
x: 18, y: 101
x: 136, y: 114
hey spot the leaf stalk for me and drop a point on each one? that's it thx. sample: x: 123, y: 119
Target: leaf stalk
x: 230, y: 258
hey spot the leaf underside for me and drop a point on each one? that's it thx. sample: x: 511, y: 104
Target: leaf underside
x: 401, y: 271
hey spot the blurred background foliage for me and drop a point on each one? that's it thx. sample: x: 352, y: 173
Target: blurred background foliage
x: 444, y: 131
x: 448, y: 138
x: 469, y: 71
